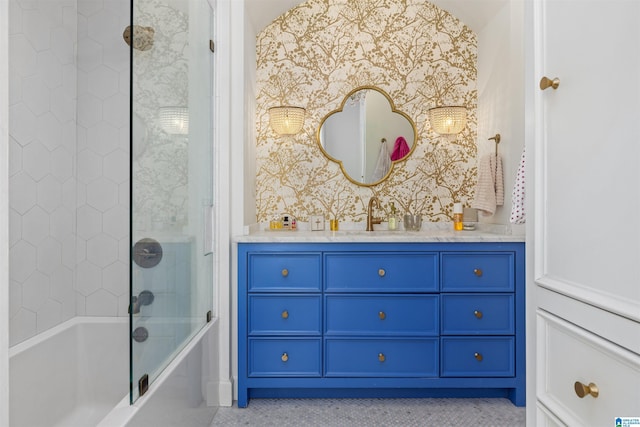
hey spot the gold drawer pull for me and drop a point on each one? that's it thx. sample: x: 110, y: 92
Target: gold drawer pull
x: 381, y: 272
x: 546, y: 83
x: 478, y: 314
x: 285, y: 272
x: 381, y: 357
x: 285, y: 314
x: 478, y: 357
x: 382, y: 315
x: 477, y: 272
x: 285, y: 357
x: 582, y: 389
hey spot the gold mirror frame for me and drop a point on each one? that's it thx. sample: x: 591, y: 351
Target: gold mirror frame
x: 393, y: 111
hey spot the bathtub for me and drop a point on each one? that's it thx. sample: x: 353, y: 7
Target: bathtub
x: 77, y: 375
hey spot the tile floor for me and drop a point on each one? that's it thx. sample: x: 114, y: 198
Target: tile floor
x: 372, y: 412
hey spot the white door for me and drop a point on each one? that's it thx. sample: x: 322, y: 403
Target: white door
x: 586, y: 174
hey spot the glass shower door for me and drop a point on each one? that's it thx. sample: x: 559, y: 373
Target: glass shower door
x: 171, y: 181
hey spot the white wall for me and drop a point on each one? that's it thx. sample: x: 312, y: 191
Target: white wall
x: 42, y: 187
x: 4, y: 213
x: 68, y: 125
x: 501, y: 95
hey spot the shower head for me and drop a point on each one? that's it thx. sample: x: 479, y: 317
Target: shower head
x: 142, y: 37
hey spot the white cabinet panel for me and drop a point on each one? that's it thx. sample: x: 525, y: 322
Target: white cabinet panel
x: 587, y: 151
x: 570, y: 354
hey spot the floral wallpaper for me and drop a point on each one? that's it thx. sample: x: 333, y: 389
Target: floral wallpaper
x: 160, y: 79
x: 315, y: 54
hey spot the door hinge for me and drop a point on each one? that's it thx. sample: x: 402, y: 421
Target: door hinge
x: 212, y: 46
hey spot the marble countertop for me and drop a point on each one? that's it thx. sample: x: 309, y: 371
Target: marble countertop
x: 438, y: 232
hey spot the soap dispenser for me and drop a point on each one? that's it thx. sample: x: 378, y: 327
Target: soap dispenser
x: 392, y: 221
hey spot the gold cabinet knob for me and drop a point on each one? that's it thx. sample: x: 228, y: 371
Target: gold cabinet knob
x: 381, y: 357
x: 546, y: 83
x: 478, y: 357
x: 285, y: 357
x: 381, y: 272
x: 478, y: 314
x: 285, y: 314
x: 477, y: 272
x: 285, y: 272
x: 382, y: 315
x: 582, y: 389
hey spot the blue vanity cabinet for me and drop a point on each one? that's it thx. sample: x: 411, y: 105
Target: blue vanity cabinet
x: 381, y: 319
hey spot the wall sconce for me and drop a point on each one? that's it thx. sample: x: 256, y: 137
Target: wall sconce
x: 448, y: 121
x: 174, y: 120
x: 286, y: 120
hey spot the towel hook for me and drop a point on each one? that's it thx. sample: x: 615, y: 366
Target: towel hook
x: 497, y: 140
x: 383, y: 140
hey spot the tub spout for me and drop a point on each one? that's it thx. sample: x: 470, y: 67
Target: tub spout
x: 144, y: 298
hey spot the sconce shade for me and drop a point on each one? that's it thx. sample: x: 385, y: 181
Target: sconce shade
x: 285, y: 120
x: 448, y: 120
x: 174, y: 120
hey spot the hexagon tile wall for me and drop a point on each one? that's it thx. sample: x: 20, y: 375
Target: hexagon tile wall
x: 317, y: 52
x: 69, y: 151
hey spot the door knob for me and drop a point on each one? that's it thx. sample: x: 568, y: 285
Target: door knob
x: 546, y: 83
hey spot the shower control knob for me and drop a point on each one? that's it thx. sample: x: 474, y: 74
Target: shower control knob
x: 147, y: 253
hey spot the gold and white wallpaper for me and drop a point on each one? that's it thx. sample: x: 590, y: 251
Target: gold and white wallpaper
x: 317, y: 52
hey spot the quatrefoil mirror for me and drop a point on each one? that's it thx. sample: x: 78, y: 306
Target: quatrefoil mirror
x: 367, y: 136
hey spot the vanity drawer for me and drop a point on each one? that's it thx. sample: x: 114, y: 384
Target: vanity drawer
x: 381, y: 272
x: 478, y: 271
x: 477, y: 357
x: 282, y: 357
x: 285, y: 315
x: 477, y: 314
x: 568, y: 354
x: 381, y: 357
x: 284, y: 272
x: 415, y: 315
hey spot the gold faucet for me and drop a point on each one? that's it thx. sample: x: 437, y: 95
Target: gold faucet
x: 370, y: 219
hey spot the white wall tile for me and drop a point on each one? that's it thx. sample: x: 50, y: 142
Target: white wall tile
x: 102, y: 194
x: 35, y: 291
x: 62, y: 68
x: 49, y: 193
x: 102, y: 250
x: 89, y: 222
x: 49, y: 315
x: 102, y: 303
x: 114, y: 222
x: 22, y: 326
x: 89, y: 166
x: 23, y: 192
x: 35, y: 94
x: 49, y: 131
x: 103, y: 138
x: 36, y: 160
x: 88, y: 278
x: 49, y: 256
x: 22, y: 122
x: 115, y: 278
x: 35, y: 225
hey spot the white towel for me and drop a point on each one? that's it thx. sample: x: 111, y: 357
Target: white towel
x: 382, y: 164
x: 490, y: 187
x: 517, y: 208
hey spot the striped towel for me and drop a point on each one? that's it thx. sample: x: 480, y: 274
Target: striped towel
x: 490, y: 186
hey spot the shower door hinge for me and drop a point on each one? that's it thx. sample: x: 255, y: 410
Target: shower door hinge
x: 209, y: 316
x: 212, y: 46
x: 143, y: 384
